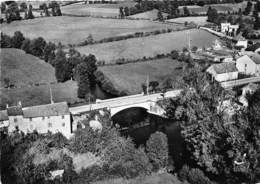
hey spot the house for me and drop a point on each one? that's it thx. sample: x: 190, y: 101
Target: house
x: 229, y: 29
x: 54, y: 117
x: 223, y: 71
x: 241, y: 41
x: 248, y: 65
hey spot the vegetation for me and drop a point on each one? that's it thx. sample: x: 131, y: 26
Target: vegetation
x: 220, y: 144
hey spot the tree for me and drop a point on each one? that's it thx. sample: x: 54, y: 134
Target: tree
x: 37, y: 47
x: 248, y: 8
x: 12, y: 13
x: 90, y: 39
x: 160, y: 16
x: 174, y: 54
x: 17, y: 39
x: 49, y: 52
x: 26, y: 45
x: 90, y: 62
x: 121, y: 13
x: 257, y: 19
x: 126, y: 11
x: 5, y: 41
x: 157, y: 150
x: 23, y: 6
x: 212, y: 14
x: 58, y: 11
x: 154, y: 85
x: 3, y: 7
x: 81, y: 75
x: 186, y: 11
x: 30, y: 14
x: 60, y: 65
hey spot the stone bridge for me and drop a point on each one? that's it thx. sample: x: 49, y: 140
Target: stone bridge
x: 115, y: 105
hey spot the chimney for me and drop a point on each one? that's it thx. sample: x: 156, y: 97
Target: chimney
x: 7, y: 106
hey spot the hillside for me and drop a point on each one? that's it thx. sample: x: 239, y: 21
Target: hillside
x: 149, y: 15
x: 23, y: 69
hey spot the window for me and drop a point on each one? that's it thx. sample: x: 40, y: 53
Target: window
x: 15, y: 120
x: 62, y: 117
x: 49, y: 125
x: 63, y: 124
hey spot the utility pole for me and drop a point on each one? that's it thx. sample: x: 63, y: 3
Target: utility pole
x: 51, y: 97
x: 147, y: 85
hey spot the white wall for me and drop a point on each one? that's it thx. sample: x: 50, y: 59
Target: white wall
x: 246, y: 66
x: 53, y: 124
x: 226, y: 76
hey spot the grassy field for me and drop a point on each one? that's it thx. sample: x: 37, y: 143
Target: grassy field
x: 201, y: 20
x: 129, y: 77
x: 148, y: 46
x: 72, y: 30
x: 106, y: 10
x: 24, y: 69
x: 40, y: 94
x: 150, y: 15
x: 222, y: 8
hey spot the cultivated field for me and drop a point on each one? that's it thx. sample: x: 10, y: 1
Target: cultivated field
x: 149, y: 15
x: 129, y: 77
x: 150, y: 46
x: 24, y: 69
x: 73, y: 30
x: 37, y: 95
x: 201, y: 20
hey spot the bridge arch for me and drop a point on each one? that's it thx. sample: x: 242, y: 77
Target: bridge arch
x: 116, y: 110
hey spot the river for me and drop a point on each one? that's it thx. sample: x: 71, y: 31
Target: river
x: 171, y: 128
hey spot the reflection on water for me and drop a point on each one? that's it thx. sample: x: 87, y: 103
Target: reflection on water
x: 141, y: 135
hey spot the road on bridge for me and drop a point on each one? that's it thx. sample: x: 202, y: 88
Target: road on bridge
x: 124, y: 101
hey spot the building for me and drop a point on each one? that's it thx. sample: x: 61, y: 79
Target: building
x: 229, y: 29
x: 223, y: 71
x: 241, y: 41
x: 249, y: 65
x: 54, y: 117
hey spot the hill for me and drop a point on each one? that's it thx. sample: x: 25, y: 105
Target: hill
x: 149, y: 15
x: 23, y: 69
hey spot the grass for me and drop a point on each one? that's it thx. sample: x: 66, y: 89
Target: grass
x: 106, y: 10
x: 73, y: 30
x: 38, y: 95
x: 201, y: 20
x: 24, y: 69
x: 150, y: 15
x: 222, y: 8
x: 129, y: 77
x: 150, y: 46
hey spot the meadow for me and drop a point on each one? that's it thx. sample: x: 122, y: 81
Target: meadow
x: 150, y: 46
x: 149, y: 15
x: 24, y: 69
x: 38, y: 95
x: 129, y: 77
x: 73, y: 30
x: 201, y: 20
x: 104, y: 10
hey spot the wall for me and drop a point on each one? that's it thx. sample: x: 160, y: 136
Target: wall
x: 42, y: 125
x: 246, y: 65
x: 226, y: 76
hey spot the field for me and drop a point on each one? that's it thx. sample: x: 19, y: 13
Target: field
x: 129, y: 77
x: 148, y: 46
x: 202, y: 20
x: 105, y: 10
x: 222, y: 8
x: 40, y: 94
x: 72, y: 30
x: 24, y: 69
x: 150, y: 15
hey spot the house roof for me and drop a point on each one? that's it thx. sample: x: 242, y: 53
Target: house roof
x: 224, y: 67
x: 14, y: 111
x: 254, y: 47
x: 3, y: 115
x: 239, y: 37
x: 256, y: 58
x: 55, y: 109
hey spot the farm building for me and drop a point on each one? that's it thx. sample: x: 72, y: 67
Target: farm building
x: 53, y: 118
x: 249, y: 65
x: 223, y: 71
x: 241, y: 41
x: 229, y: 29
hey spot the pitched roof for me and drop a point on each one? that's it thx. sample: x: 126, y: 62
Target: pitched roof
x: 256, y: 58
x: 224, y: 67
x: 14, y: 111
x: 55, y: 109
x: 3, y: 115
